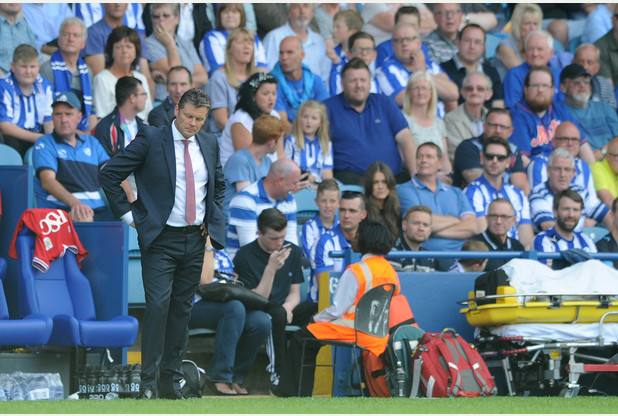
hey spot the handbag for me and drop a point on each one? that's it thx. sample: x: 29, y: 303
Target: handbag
x: 225, y: 289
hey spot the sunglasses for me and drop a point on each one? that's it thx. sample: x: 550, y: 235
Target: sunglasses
x: 491, y: 156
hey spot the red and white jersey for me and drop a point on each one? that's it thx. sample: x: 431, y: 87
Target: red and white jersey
x: 54, y: 235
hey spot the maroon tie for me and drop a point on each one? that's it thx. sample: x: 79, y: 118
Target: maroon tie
x: 190, y: 184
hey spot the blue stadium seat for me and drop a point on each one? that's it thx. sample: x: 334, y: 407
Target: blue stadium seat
x: 9, y: 156
x: 33, y: 330
x: 305, y: 205
x: 595, y: 233
x: 491, y: 44
x: 64, y: 294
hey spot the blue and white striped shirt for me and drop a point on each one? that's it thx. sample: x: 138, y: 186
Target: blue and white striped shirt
x: 245, y: 208
x: 26, y: 111
x: 322, y: 262
x: 537, y: 173
x: 542, y: 205
x: 480, y: 193
x: 313, y: 230
x: 549, y: 241
x: 311, y: 158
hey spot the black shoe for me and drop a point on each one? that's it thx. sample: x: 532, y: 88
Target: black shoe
x: 146, y: 394
x: 175, y: 395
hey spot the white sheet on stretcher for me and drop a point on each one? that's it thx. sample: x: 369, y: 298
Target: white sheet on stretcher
x: 557, y: 332
x: 531, y: 276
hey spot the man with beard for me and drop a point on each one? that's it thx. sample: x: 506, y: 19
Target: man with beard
x: 597, y: 119
x: 568, y: 206
x: 560, y: 172
x: 537, y: 115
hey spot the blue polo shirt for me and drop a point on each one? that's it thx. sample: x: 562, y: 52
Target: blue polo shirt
x: 359, y: 139
x: 598, y: 121
x: 532, y: 134
x: 481, y: 193
x: 322, y: 262
x: 447, y: 200
x: 393, y: 76
x: 77, y: 169
x: 26, y: 111
x: 514, y: 84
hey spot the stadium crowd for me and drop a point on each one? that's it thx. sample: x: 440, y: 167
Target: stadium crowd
x: 473, y: 126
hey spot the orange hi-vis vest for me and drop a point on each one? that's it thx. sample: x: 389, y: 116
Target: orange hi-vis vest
x: 369, y: 273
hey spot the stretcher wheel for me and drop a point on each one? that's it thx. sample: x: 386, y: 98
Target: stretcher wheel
x: 568, y: 393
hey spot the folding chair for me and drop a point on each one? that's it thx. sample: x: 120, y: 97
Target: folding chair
x: 371, y: 318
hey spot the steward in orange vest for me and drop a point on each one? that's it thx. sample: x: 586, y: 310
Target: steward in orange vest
x: 337, y: 321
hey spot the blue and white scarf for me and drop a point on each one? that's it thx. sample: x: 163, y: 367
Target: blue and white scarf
x: 291, y: 95
x: 62, y: 81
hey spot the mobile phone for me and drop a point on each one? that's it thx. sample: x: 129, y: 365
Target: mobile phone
x: 303, y: 171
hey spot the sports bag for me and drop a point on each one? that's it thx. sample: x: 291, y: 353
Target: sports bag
x: 447, y: 366
x: 487, y: 285
x: 193, y: 381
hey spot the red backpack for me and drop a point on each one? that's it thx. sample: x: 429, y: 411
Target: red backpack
x: 447, y: 366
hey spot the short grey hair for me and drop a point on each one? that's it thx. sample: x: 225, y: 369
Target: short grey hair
x: 74, y: 21
x: 562, y: 153
x: 488, y: 84
x: 546, y: 34
x: 588, y: 45
x: 196, y: 97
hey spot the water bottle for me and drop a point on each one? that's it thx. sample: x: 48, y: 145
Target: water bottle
x: 14, y: 387
x: 400, y: 377
x: 35, y: 386
x: 111, y: 396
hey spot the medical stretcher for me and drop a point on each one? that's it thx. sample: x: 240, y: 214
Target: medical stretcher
x: 544, y: 342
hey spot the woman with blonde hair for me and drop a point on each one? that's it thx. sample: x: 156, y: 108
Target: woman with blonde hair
x: 420, y: 109
x: 309, y: 144
x: 230, y: 16
x: 225, y: 81
x: 381, y: 200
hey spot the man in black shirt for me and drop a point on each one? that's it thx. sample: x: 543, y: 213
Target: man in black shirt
x: 416, y: 226
x: 500, y: 218
x: 270, y: 266
x: 608, y: 243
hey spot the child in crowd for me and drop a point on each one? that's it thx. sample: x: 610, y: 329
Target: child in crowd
x: 325, y: 220
x: 309, y: 145
x: 25, y: 101
x: 345, y: 24
x: 471, y: 265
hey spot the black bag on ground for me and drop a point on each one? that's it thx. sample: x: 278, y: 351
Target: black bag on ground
x: 194, y: 379
x: 225, y: 289
x: 487, y: 284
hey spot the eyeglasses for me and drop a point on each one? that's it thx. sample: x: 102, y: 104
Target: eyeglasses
x: 163, y: 15
x: 502, y: 217
x: 497, y: 126
x: 561, y: 170
x: 540, y: 86
x: 492, y: 156
x: 361, y: 50
x: 417, y: 89
x: 580, y: 82
x: 470, y: 88
x: 567, y: 139
x: 446, y: 12
x: 408, y: 39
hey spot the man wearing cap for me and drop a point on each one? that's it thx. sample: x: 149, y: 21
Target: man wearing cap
x: 67, y: 165
x: 597, y: 119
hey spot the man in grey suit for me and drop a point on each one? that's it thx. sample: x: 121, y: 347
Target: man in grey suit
x: 181, y: 191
